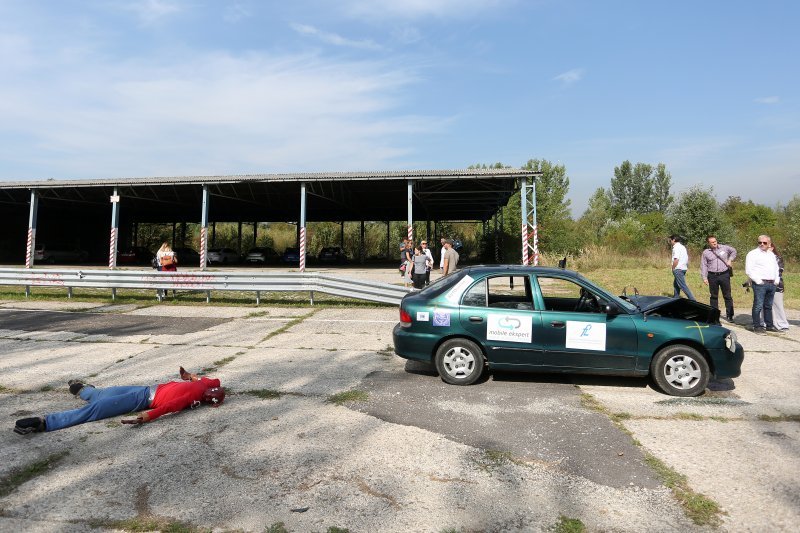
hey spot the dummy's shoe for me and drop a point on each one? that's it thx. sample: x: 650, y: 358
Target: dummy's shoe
x: 773, y: 329
x: 30, y: 425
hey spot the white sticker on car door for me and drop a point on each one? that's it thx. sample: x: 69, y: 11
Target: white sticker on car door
x: 586, y: 335
x: 510, y: 328
x: 454, y: 294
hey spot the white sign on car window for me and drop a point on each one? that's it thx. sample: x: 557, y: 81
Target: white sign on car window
x: 455, y: 293
x: 586, y: 335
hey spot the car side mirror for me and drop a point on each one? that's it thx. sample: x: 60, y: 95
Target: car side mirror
x: 611, y: 309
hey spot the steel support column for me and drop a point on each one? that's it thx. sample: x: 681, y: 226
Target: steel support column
x: 302, y: 227
x: 112, y: 244
x: 530, y: 252
x: 204, y: 230
x: 410, y: 211
x: 32, y: 218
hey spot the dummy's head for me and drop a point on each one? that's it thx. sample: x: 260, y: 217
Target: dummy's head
x: 214, y: 396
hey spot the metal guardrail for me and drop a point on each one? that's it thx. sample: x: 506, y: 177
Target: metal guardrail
x: 204, y: 281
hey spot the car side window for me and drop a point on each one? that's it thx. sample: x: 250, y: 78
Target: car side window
x: 475, y: 295
x: 504, y: 292
x: 566, y: 295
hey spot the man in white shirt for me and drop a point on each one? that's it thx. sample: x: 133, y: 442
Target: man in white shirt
x: 761, y: 266
x: 680, y: 264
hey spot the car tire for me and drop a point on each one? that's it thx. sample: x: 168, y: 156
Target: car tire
x: 460, y: 362
x: 680, y: 370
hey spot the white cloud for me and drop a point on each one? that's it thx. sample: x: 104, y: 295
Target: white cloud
x: 208, y: 114
x: 236, y: 12
x: 768, y: 100
x: 569, y: 77
x: 152, y: 11
x: 333, y: 38
x: 414, y: 9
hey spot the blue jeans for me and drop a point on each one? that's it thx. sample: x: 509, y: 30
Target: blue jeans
x: 103, y: 403
x: 679, y: 284
x: 762, y: 301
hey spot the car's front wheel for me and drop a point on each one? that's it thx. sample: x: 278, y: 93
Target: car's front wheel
x: 460, y: 362
x: 680, y: 370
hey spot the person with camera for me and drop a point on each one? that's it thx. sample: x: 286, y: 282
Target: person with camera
x: 716, y: 269
x: 761, y: 266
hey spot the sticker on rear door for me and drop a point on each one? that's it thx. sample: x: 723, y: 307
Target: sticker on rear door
x: 441, y: 318
x: 422, y: 316
x: 510, y: 328
x: 586, y: 335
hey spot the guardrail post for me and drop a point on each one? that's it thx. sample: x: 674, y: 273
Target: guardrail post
x: 258, y: 297
x: 69, y: 292
x: 311, y: 293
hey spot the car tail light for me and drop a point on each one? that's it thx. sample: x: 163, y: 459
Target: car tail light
x: 405, y: 318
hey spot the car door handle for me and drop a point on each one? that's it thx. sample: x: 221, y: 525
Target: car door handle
x: 477, y: 319
x: 557, y: 324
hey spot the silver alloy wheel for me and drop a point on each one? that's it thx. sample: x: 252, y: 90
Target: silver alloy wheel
x: 459, y: 362
x: 682, y: 371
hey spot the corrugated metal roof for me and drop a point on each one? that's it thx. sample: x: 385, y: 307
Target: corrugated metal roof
x: 266, y: 178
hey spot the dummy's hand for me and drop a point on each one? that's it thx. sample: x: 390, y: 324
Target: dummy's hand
x: 137, y: 420
x: 185, y: 376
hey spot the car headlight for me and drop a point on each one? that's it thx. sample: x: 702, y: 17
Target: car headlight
x: 730, y: 341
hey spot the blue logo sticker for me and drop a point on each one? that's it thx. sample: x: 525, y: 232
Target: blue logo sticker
x: 441, y: 318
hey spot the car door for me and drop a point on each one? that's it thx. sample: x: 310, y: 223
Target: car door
x: 498, y: 311
x: 577, y: 333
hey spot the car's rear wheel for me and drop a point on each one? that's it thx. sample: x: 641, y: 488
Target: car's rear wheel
x: 460, y: 362
x: 680, y: 370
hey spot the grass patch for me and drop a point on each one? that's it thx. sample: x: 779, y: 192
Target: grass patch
x: 16, y: 478
x: 46, y: 388
x: 569, y: 525
x: 348, y: 396
x: 277, y: 527
x: 688, y: 416
x: 287, y: 326
x: 701, y: 509
x: 265, y: 394
x: 590, y: 402
x: 6, y: 390
x: 256, y: 314
x: 334, y: 529
x: 781, y: 418
x: 148, y: 524
x: 217, y: 364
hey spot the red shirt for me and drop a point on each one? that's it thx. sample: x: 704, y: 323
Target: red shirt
x: 178, y: 395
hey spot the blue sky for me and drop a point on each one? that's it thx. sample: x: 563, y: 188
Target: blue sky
x: 128, y: 88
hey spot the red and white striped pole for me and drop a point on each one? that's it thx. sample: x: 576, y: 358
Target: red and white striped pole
x: 29, y: 249
x: 525, y: 260
x: 203, y: 247
x: 302, y: 249
x: 112, y: 248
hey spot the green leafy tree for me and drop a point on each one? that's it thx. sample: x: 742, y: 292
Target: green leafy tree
x: 640, y: 189
x: 662, y: 183
x: 791, y: 219
x: 697, y: 214
x: 597, y: 213
x: 748, y: 220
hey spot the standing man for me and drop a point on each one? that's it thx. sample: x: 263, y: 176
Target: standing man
x: 680, y: 264
x: 450, y: 258
x: 429, y: 255
x: 441, y: 256
x: 715, y: 269
x: 761, y: 266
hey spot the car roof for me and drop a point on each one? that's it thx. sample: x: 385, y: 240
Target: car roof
x: 520, y: 269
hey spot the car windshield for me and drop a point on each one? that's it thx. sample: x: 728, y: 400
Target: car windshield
x: 628, y: 306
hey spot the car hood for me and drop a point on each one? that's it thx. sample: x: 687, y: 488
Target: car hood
x: 676, y: 308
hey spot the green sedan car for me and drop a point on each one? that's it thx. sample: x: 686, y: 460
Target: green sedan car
x: 537, y: 319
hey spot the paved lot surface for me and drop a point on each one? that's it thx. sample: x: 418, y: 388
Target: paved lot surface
x: 511, y: 454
